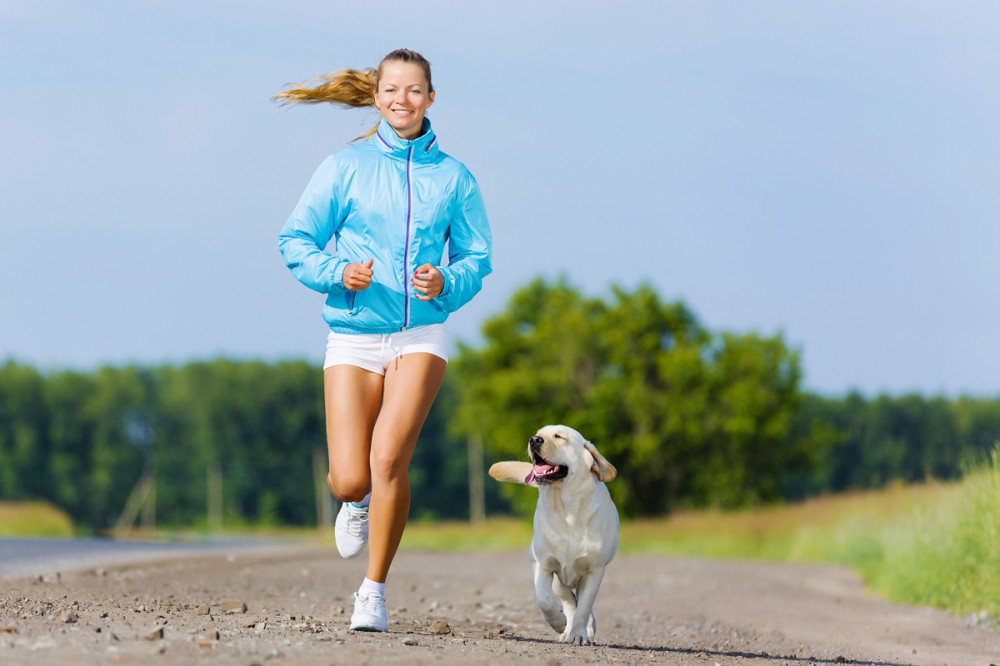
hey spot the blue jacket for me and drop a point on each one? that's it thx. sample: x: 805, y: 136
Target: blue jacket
x: 400, y: 203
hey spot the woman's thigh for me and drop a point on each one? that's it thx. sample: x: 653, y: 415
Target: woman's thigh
x: 353, y: 396
x: 411, y: 384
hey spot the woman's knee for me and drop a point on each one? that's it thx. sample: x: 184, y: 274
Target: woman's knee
x: 387, y: 468
x: 347, y: 489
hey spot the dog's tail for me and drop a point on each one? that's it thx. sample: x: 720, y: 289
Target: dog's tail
x: 512, y: 471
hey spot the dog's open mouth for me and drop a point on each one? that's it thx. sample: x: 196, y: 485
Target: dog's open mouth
x: 545, y: 472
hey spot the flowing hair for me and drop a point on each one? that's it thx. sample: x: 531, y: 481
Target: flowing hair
x: 350, y: 88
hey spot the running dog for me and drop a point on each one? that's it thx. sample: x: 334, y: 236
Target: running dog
x: 575, y: 528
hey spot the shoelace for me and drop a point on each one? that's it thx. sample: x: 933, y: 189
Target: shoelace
x: 371, y: 603
x: 356, y: 520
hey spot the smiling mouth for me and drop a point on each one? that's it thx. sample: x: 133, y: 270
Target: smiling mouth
x: 543, y: 471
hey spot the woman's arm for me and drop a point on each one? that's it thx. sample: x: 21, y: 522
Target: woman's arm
x: 313, y: 222
x: 469, y: 250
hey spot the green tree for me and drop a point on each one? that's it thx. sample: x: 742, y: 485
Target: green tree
x: 257, y: 423
x: 647, y: 406
x: 71, y: 428
x: 686, y: 416
x: 121, y: 442
x: 23, y: 423
x: 751, y: 444
x: 977, y: 421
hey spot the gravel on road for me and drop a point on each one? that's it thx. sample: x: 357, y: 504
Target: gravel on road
x: 292, y: 606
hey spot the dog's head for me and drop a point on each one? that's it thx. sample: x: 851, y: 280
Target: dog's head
x: 558, y: 452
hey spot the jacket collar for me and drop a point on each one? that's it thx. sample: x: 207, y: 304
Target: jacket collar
x: 424, y: 147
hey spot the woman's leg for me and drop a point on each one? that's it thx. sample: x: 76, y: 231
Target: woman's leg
x: 352, y: 397
x: 411, y: 384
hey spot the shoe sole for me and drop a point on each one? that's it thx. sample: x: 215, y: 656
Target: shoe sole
x: 353, y: 555
x: 367, y: 628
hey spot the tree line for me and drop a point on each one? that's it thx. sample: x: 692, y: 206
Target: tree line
x: 691, y: 418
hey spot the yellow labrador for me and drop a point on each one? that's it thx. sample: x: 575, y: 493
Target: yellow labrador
x: 576, y: 526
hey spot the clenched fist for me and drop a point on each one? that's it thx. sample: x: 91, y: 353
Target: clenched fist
x: 358, y: 276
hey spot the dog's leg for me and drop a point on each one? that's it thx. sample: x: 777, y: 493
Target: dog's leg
x: 568, y: 600
x: 551, y: 610
x: 584, y: 624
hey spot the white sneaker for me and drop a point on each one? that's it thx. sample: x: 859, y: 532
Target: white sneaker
x: 351, y: 530
x: 369, y: 612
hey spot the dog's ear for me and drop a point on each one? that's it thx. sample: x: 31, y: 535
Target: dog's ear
x: 510, y: 470
x: 604, y: 470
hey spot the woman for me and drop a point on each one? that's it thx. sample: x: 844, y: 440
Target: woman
x: 392, y: 203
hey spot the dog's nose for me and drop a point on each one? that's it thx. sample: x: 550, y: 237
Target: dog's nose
x: 536, y: 440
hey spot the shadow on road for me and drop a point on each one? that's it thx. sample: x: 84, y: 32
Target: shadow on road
x: 836, y: 661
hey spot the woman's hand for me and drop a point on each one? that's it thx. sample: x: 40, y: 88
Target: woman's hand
x: 358, y: 276
x: 428, y: 281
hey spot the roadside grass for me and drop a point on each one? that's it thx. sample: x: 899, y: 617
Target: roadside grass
x: 492, y: 534
x: 946, y: 553
x: 818, y: 530
x: 836, y: 528
x: 931, y: 544
x: 33, y: 519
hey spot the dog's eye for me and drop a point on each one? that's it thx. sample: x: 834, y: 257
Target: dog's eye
x: 558, y: 436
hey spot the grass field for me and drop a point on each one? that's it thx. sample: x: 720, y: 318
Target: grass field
x: 33, y: 519
x: 838, y: 528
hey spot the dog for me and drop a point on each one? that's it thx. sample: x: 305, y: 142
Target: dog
x: 575, y: 526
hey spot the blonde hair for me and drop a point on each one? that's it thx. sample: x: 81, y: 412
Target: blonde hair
x: 350, y: 87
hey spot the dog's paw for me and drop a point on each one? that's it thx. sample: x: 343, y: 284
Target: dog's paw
x: 584, y: 635
x: 576, y: 638
x: 558, y: 622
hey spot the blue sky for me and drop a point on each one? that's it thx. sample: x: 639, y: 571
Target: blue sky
x: 824, y: 170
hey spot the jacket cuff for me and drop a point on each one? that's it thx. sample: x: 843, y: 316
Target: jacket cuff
x: 337, y: 281
x: 449, y: 282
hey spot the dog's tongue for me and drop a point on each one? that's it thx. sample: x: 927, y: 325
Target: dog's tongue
x: 538, y: 470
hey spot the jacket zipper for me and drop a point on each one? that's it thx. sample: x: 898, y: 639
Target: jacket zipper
x: 406, y: 252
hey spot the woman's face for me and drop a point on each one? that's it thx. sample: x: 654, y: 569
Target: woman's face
x: 403, y: 97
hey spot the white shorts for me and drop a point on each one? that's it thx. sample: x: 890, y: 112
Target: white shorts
x: 374, y: 352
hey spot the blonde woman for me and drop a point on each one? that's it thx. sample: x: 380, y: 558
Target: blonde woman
x: 393, y: 203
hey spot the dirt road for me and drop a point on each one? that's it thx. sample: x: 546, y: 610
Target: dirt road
x: 291, y: 606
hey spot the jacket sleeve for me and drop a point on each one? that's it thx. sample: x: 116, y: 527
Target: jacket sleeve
x: 470, y: 249
x: 313, y: 222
